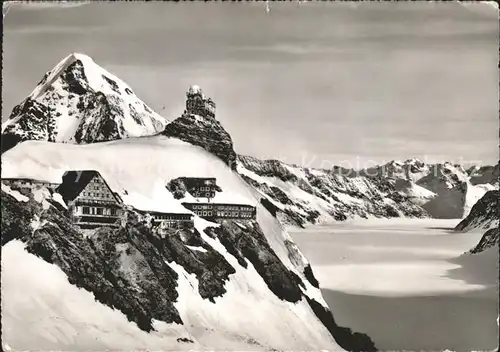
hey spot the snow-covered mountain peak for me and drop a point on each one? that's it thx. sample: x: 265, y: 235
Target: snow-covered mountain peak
x: 78, y: 101
x: 97, y: 78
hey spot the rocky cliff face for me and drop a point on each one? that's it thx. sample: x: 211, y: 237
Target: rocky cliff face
x: 80, y: 102
x: 206, y: 133
x: 489, y: 239
x: 484, y: 174
x: 304, y: 195
x: 484, y: 216
x: 411, y: 169
x: 411, y: 188
x: 443, y: 177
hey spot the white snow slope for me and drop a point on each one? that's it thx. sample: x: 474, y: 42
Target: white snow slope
x: 247, y: 317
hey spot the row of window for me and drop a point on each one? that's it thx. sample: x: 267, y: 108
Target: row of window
x: 205, y: 195
x: 171, y: 217
x: 100, y: 211
x: 225, y: 214
x: 204, y: 189
x: 27, y: 183
x: 176, y: 224
x: 97, y: 195
x: 200, y: 109
x: 228, y: 214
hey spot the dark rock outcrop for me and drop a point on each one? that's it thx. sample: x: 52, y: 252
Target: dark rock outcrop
x: 124, y: 268
x: 345, y: 337
x: 143, y: 290
x: 206, y: 133
x: 483, y: 213
x: 489, y: 239
x: 308, y: 273
x: 127, y: 268
x: 246, y: 241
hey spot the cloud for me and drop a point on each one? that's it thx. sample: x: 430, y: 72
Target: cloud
x: 49, y: 4
x: 57, y: 30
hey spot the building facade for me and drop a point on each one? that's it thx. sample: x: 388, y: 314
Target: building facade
x: 217, y: 211
x: 170, y: 220
x: 198, y: 104
x: 90, y: 200
x: 201, y: 187
x: 26, y: 185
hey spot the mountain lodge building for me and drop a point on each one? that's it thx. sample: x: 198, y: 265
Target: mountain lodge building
x: 93, y: 203
x: 27, y: 185
x: 90, y: 200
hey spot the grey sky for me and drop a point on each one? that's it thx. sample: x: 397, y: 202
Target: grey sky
x: 314, y: 83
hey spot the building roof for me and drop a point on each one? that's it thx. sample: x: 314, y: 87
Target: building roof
x: 25, y: 178
x: 218, y: 204
x: 73, y: 183
x: 198, y: 181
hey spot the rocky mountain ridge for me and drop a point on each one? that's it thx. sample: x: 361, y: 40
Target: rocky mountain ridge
x: 396, y: 189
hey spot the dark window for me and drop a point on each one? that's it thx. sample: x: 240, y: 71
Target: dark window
x: 100, y: 211
x: 86, y: 210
